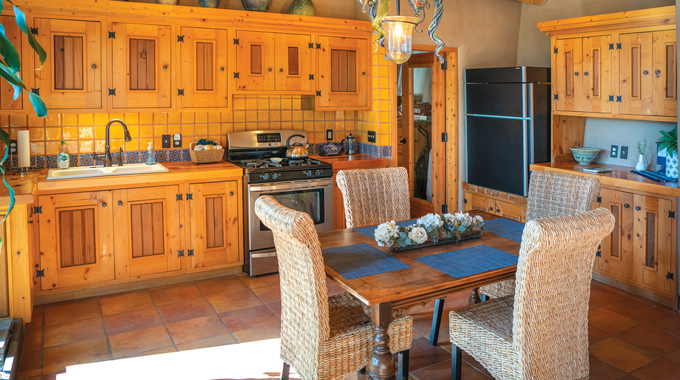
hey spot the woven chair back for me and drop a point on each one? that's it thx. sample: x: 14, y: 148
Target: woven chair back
x: 304, y: 296
x: 374, y: 196
x: 550, y: 325
x: 557, y: 194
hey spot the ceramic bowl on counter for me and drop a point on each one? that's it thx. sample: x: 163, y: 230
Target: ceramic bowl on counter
x: 584, y: 155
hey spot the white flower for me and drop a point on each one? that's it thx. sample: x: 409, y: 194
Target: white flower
x: 431, y: 220
x: 479, y: 219
x: 418, y: 235
x: 385, y: 233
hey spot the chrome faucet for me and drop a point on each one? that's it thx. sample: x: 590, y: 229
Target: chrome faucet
x: 107, y: 152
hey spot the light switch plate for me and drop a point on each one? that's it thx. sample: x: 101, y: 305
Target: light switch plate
x: 167, y: 142
x: 614, y: 152
x: 371, y: 136
x: 624, y: 153
x: 329, y: 135
x: 177, y: 140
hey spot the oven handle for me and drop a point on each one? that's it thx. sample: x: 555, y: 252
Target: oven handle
x: 289, y: 186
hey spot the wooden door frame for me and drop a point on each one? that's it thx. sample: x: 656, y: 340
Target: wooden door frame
x: 450, y: 120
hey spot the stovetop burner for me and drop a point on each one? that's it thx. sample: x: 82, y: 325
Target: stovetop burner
x: 266, y: 163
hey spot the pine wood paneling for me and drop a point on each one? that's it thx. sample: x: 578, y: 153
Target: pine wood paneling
x: 293, y: 60
x: 294, y: 63
x: 146, y: 225
x: 77, y: 237
x: 344, y: 73
x: 255, y: 61
x: 204, y: 66
x: 68, y: 63
x: 214, y: 221
x: 204, y: 71
x: 142, y: 64
x: 6, y: 90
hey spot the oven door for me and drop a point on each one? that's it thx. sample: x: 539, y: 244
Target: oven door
x: 315, y: 197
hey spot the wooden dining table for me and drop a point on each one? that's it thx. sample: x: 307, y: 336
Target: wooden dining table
x: 390, y: 295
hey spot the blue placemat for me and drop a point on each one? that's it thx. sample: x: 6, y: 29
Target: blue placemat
x: 360, y: 260
x: 505, y: 228
x: 370, y: 230
x: 469, y: 261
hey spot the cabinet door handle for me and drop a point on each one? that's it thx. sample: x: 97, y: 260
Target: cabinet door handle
x: 363, y: 73
x: 165, y: 67
x: 498, y: 210
x: 490, y: 208
x: 269, y: 69
x: 221, y: 68
x: 585, y: 73
x: 657, y: 72
x: 626, y: 205
x: 637, y: 208
x: 280, y: 70
x: 94, y: 66
x: 645, y: 72
x: 576, y: 73
x: 231, y: 193
x: 104, y: 204
x: 120, y: 203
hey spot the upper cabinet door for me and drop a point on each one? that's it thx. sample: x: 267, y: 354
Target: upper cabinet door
x: 294, y: 64
x: 141, y: 66
x: 255, y: 61
x: 344, y: 73
x: 72, y: 75
x: 665, y: 74
x: 13, y: 33
x: 636, y: 74
x: 597, y: 74
x: 204, y: 71
x: 568, y: 75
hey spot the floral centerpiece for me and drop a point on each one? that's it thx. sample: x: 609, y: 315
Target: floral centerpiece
x: 429, y: 230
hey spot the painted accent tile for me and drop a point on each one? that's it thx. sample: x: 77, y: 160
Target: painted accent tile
x: 175, y: 155
x: 132, y: 157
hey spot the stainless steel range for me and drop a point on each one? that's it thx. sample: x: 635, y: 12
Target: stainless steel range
x: 302, y: 184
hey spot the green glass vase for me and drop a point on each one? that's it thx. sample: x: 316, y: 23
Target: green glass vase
x: 256, y: 5
x: 302, y: 8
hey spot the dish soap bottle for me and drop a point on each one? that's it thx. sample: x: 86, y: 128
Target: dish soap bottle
x: 150, y: 156
x: 63, y: 158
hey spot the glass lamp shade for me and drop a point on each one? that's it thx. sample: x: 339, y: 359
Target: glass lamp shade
x: 399, y: 37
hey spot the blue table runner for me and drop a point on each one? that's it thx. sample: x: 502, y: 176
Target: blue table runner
x: 469, y: 261
x: 505, y: 228
x: 360, y: 260
x: 370, y: 230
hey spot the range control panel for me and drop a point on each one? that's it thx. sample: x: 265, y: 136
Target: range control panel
x: 268, y: 138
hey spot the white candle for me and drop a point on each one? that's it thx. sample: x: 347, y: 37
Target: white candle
x: 24, y: 148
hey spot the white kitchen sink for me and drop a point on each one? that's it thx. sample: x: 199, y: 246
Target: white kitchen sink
x: 100, y: 171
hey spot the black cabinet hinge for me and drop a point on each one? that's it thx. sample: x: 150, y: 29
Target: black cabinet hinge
x: 445, y: 208
x: 34, y: 31
x: 611, y: 46
x: 671, y: 214
x: 35, y: 91
x: 465, y: 201
x: 190, y: 196
x: 555, y: 96
x: 618, y: 46
x: 37, y: 209
x: 619, y: 99
x: 318, y: 93
x: 112, y: 92
x: 555, y: 50
x: 112, y: 35
x: 236, y: 75
x: 611, y: 98
x: 190, y: 252
x: 39, y: 273
x: 180, y: 38
x: 445, y: 137
x: 599, y: 199
x: 235, y: 41
x: 318, y: 46
x: 670, y: 276
x: 179, y: 197
x: 445, y: 65
x: 180, y: 92
x: 311, y: 45
x: 599, y: 254
x: 311, y: 76
x: 180, y: 253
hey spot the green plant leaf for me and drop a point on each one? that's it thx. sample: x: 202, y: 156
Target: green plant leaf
x: 21, y: 22
x: 38, y: 104
x: 9, y: 52
x: 11, y: 77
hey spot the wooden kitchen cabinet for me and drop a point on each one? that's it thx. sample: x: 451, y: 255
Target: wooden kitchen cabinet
x: 72, y: 74
x: 146, y: 224
x: 14, y: 35
x: 203, y: 69
x: 76, y: 239
x: 214, y: 216
x: 504, y: 208
x: 294, y: 63
x: 344, y: 73
x: 615, y: 256
x: 141, y: 66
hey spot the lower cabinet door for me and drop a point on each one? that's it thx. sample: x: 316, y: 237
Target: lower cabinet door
x: 616, y: 250
x: 146, y: 223
x: 511, y: 211
x: 215, y: 237
x: 479, y: 203
x: 76, y: 239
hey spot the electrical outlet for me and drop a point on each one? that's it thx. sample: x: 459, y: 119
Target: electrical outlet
x: 624, y: 153
x: 614, y: 152
x: 371, y: 136
x: 177, y: 140
x: 167, y: 142
x: 329, y: 135
x: 13, y: 147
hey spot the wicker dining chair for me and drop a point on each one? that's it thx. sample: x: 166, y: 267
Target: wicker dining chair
x: 541, y: 332
x: 550, y: 195
x: 322, y: 337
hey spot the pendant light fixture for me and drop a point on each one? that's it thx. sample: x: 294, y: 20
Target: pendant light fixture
x: 399, y: 36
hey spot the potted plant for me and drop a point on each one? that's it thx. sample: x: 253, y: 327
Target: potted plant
x: 10, y: 71
x: 669, y: 142
x: 642, y: 159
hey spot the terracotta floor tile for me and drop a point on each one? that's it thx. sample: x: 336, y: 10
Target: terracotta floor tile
x: 122, y: 302
x: 477, y: 365
x: 636, y: 309
x: 669, y: 322
x: 132, y: 320
x: 87, y: 351
x: 64, y: 333
x: 269, y: 331
x: 422, y: 322
x: 621, y: 354
x: 134, y: 342
x: 214, y: 341
x: 651, y: 339
x: 175, y: 293
x: 659, y: 369
x: 220, y: 285
x: 72, y: 311
x: 247, y: 318
x: 256, y: 282
x: 275, y: 307
x: 32, y: 340
x: 37, y: 318
x: 234, y: 301
x: 442, y: 371
x: 600, y: 295
x: 628, y: 377
x: 31, y: 364
x: 674, y: 356
x: 269, y: 294
x: 443, y: 340
x: 423, y: 355
x: 197, y: 328
x: 595, y: 335
x: 190, y: 309
x: 157, y: 351
x: 609, y: 321
x: 600, y: 370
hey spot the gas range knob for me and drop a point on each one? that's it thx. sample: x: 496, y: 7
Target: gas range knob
x: 275, y: 175
x: 318, y: 172
x: 308, y: 173
x: 265, y: 176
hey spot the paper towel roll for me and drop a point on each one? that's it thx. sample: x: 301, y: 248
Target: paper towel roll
x: 24, y: 148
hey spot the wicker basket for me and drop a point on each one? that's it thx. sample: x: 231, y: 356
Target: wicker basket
x: 206, y: 156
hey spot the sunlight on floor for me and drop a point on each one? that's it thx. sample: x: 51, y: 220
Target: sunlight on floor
x: 255, y: 360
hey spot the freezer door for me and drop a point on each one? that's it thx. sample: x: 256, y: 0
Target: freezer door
x: 497, y: 99
x: 497, y: 153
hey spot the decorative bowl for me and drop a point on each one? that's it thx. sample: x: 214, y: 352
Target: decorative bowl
x: 209, y: 3
x: 585, y: 156
x: 256, y: 5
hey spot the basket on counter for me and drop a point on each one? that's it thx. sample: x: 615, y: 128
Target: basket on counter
x: 205, y: 156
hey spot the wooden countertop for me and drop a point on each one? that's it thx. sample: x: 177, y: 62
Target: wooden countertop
x: 620, y: 176
x: 356, y: 161
x: 24, y: 188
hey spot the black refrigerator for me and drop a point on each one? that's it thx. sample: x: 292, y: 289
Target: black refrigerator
x: 507, y: 125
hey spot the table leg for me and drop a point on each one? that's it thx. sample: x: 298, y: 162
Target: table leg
x: 474, y: 297
x: 382, y: 364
